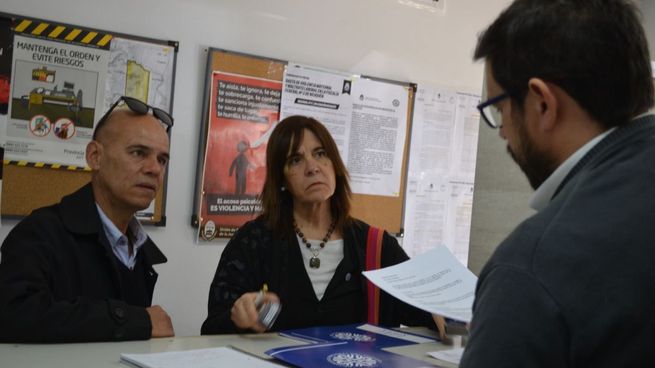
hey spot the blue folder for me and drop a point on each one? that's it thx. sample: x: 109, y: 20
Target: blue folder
x: 343, y: 354
x: 347, y: 346
x: 355, y: 334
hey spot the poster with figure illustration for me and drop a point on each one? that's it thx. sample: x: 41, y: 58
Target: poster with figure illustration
x: 5, y: 72
x: 242, y: 113
x: 6, y: 47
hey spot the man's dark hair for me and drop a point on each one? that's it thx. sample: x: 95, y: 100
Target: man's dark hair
x: 595, y: 50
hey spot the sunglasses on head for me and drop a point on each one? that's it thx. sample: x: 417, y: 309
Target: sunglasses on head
x: 138, y: 107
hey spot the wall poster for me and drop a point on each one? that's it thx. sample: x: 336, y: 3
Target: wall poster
x: 63, y: 78
x: 56, y: 81
x: 367, y: 119
x: 441, y: 173
x: 242, y: 112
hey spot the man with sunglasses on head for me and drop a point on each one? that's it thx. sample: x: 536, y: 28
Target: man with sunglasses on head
x: 81, y: 270
x: 573, y: 285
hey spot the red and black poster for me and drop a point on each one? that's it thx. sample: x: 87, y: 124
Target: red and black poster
x: 6, y: 43
x: 242, y: 112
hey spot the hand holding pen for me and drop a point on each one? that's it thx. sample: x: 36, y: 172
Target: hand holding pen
x: 245, y: 311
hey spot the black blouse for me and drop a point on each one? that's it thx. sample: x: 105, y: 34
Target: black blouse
x: 254, y: 256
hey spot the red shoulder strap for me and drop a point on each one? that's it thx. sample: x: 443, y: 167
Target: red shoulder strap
x: 373, y: 261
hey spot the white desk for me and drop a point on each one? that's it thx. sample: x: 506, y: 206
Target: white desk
x: 107, y: 354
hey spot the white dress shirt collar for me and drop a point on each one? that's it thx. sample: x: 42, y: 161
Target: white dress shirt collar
x: 119, y: 241
x: 543, y: 195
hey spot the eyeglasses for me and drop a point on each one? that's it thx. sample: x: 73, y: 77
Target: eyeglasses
x: 490, y: 112
x: 139, y: 107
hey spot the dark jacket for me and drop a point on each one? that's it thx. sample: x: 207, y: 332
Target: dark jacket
x: 60, y: 281
x: 574, y: 285
x: 254, y: 256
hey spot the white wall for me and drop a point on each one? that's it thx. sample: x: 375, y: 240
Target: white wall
x: 648, y: 17
x: 501, y: 190
x: 377, y: 37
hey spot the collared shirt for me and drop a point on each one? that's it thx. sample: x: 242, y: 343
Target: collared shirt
x: 543, y: 195
x: 119, y: 241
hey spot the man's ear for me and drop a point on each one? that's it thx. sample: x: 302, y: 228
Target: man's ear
x: 93, y: 154
x: 543, y: 102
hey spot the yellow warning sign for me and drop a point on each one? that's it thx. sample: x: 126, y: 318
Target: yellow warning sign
x: 46, y: 166
x: 69, y: 34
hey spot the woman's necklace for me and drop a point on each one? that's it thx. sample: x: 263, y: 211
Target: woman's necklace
x: 314, y: 262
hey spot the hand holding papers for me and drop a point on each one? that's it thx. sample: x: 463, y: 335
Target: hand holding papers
x: 434, y: 281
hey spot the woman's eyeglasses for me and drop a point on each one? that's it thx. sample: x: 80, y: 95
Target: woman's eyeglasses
x: 138, y: 107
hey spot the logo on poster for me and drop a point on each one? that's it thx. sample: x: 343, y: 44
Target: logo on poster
x: 64, y: 128
x: 208, y: 231
x: 40, y: 125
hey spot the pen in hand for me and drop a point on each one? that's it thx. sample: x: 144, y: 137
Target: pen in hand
x: 268, y: 310
x: 260, y: 297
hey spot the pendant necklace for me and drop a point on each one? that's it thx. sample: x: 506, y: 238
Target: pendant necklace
x: 314, y: 261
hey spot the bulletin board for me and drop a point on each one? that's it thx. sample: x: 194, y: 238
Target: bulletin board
x: 234, y: 71
x: 56, y: 81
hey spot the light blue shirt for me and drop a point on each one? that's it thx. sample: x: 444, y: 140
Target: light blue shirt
x: 546, y: 190
x: 119, y: 241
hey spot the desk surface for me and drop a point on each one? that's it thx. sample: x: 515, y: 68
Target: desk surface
x: 107, y: 354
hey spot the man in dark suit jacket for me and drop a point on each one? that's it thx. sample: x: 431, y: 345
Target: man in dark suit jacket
x: 573, y: 285
x: 81, y: 270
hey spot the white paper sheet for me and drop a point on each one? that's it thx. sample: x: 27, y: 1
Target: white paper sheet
x: 322, y: 94
x: 450, y: 355
x: 141, y: 70
x: 367, y: 119
x: 199, y: 358
x: 434, y: 281
x: 443, y: 150
x: 377, y: 137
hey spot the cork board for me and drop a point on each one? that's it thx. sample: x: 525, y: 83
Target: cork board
x: 25, y: 189
x: 382, y: 211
